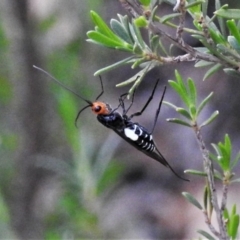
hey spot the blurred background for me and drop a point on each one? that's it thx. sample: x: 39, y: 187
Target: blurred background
x: 62, y: 182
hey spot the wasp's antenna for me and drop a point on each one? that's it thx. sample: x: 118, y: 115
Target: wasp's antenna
x: 80, y: 113
x: 65, y: 87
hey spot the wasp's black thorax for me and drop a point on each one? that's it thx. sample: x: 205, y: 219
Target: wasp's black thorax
x: 113, y: 120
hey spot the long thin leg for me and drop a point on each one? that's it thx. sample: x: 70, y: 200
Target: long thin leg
x: 158, y: 110
x: 122, y: 103
x: 126, y: 110
x: 148, y: 101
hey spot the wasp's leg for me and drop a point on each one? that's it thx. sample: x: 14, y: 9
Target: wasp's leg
x: 148, y: 101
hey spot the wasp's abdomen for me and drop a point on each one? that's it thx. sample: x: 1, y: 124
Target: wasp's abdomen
x: 140, y: 136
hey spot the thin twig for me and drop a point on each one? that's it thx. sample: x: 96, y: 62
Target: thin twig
x: 180, y: 6
x: 210, y: 177
x: 210, y: 226
x: 224, y: 200
x: 136, y: 10
x: 224, y: 197
x: 187, y: 48
x: 206, y: 32
x: 170, y: 60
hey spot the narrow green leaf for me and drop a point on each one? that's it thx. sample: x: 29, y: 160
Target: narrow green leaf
x: 203, y: 174
x: 181, y: 83
x: 195, y: 172
x: 234, y: 210
x: 228, y: 13
x: 204, y: 8
x: 215, y: 147
x: 168, y: 17
x: 212, y: 25
x: 125, y: 23
x: 231, y: 72
x: 235, y: 161
x: 199, y: 37
x: 206, y: 235
x: 182, y: 94
x: 210, y: 119
x: 138, y: 62
x: 237, y: 180
x: 217, y: 36
x: 192, y: 91
x: 205, y: 197
x: 220, y: 19
x: 184, y: 112
x: 192, y: 200
x: 234, y: 226
x: 102, y: 39
x: 98, y: 21
x: 203, y: 103
x: 113, y: 66
x: 120, y: 31
x: 137, y: 49
x: 201, y: 49
x: 130, y: 80
x: 228, y: 144
x: 234, y: 43
x: 226, y: 214
x: 179, y: 121
x: 170, y: 105
x: 162, y: 47
x: 154, y: 43
x: 126, y: 49
x: 138, y: 75
x: 137, y: 36
x: 228, y: 51
x: 135, y: 85
x: 217, y: 175
x: 233, y: 29
x: 212, y: 70
x: 145, y: 2
x: 203, y: 63
x: 193, y: 111
x: 193, y: 4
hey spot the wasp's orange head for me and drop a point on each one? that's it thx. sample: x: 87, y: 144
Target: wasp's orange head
x: 100, y: 108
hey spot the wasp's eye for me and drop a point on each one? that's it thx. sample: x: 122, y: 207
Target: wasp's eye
x: 97, y: 108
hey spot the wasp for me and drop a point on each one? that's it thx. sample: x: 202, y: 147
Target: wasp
x: 132, y: 132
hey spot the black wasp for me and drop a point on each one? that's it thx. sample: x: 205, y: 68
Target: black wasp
x: 135, y: 134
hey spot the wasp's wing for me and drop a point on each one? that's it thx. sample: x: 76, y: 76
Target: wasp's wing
x: 154, y: 154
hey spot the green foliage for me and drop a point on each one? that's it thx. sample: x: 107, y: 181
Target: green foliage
x: 228, y: 13
x: 222, y: 156
x: 232, y: 220
x: 192, y: 200
x: 103, y: 35
x: 206, y: 235
x: 145, y: 2
x: 188, y: 94
x: 125, y: 36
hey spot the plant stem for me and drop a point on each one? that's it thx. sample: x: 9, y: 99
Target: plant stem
x: 210, y: 177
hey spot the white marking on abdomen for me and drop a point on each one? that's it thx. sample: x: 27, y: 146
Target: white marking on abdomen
x: 130, y: 133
